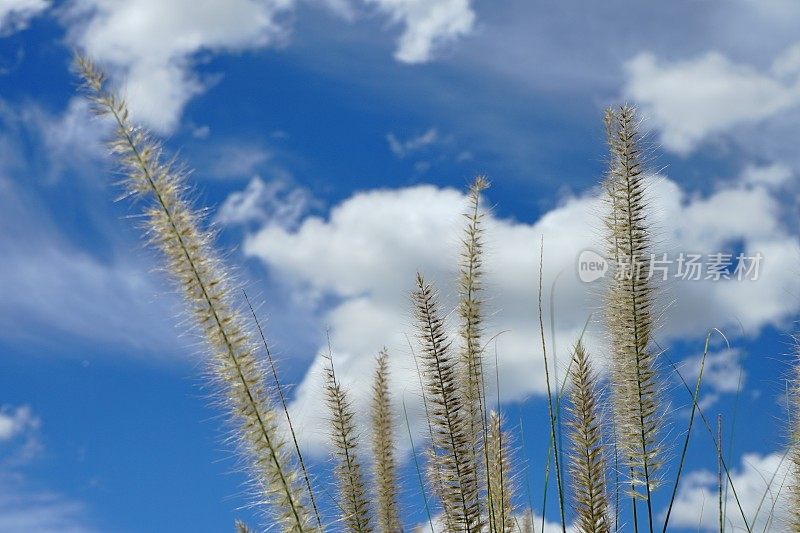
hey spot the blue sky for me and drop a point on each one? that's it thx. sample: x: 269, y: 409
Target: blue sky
x: 332, y: 141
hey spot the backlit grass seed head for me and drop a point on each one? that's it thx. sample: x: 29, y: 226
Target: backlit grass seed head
x: 453, y: 472
x: 500, y: 494
x: 587, y: 457
x: 469, y: 312
x: 794, y: 442
x: 629, y: 302
x: 385, y: 471
x: 175, y: 228
x: 353, y: 501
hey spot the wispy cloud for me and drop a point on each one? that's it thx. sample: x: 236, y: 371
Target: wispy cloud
x: 24, y: 507
x: 53, y: 281
x: 15, y: 15
x: 402, y: 148
x: 266, y: 203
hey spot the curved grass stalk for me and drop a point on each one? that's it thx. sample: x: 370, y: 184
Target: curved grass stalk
x: 717, y: 446
x: 282, y: 397
x: 551, y: 410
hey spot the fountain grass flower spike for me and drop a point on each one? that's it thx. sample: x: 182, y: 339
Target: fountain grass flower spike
x: 629, y: 310
x: 175, y: 228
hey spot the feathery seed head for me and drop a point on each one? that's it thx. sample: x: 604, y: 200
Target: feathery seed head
x: 353, y: 501
x: 500, y: 494
x: 454, y: 476
x: 629, y: 302
x: 175, y: 228
x: 587, y: 457
x: 383, y: 449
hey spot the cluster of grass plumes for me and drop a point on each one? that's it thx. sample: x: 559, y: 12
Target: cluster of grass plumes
x: 470, y: 468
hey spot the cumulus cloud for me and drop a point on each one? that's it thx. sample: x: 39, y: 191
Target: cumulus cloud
x: 691, y: 100
x: 758, y: 477
x: 428, y: 25
x: 153, y: 44
x: 15, y: 15
x: 359, y: 265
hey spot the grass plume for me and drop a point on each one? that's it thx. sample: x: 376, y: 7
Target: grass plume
x: 794, y: 446
x: 454, y: 477
x: 469, y: 312
x: 500, y: 498
x: 175, y: 228
x: 353, y: 500
x: 629, y: 304
x: 388, y: 517
x: 587, y: 457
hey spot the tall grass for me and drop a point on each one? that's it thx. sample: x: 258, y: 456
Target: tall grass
x: 467, y: 463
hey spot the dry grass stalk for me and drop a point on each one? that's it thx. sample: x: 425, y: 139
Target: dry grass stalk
x: 353, y: 501
x: 629, y: 308
x: 384, y: 467
x: 175, y: 228
x: 587, y: 457
x: 453, y: 473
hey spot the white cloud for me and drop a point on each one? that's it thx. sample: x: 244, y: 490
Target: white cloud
x: 775, y: 175
x: 52, y: 282
x: 690, y: 100
x: 23, y: 507
x: 758, y: 477
x: 15, y: 422
x: 234, y: 159
x: 723, y: 373
x: 363, y: 258
x: 429, y: 25
x: 265, y: 203
x: 153, y: 44
x: 15, y: 15
x: 402, y: 148
x: 36, y: 511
